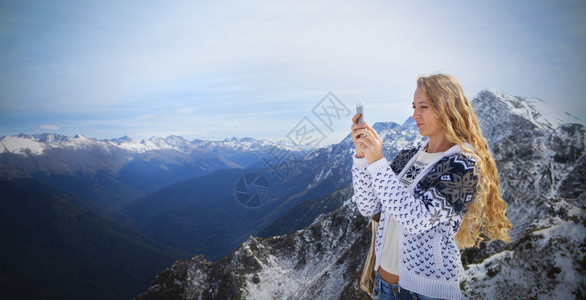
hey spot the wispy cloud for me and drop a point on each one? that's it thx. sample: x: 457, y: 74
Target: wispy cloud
x: 185, y: 110
x: 146, y: 117
x: 50, y: 127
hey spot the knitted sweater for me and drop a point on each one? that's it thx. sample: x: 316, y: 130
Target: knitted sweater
x: 430, y: 214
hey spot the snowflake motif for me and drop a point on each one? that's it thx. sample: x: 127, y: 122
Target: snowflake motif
x: 411, y: 173
x: 427, y: 201
x: 460, y: 190
x: 456, y: 225
x: 402, y: 159
x: 435, y: 217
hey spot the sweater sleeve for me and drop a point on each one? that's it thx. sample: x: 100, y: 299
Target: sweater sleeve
x: 448, y: 190
x: 364, y: 195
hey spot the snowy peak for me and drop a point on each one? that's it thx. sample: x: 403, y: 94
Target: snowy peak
x: 38, y: 144
x: 154, y: 143
x: 244, y: 144
x: 22, y: 145
x: 410, y: 123
x: 390, y: 131
x: 538, y: 112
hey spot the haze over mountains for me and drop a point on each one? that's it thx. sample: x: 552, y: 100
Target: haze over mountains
x: 107, y: 216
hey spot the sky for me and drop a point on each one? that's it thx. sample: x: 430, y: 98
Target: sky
x: 266, y: 69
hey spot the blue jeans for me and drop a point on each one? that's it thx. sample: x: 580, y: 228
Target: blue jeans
x: 386, y: 291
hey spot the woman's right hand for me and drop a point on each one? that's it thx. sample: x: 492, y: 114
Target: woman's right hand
x: 355, y: 135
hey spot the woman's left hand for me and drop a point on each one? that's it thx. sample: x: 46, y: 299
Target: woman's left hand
x: 370, y: 143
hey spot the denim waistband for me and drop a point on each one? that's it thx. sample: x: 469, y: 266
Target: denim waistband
x: 383, y: 284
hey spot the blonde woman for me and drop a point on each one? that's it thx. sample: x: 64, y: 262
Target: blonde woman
x: 434, y: 199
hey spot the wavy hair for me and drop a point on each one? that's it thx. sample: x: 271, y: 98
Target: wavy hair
x: 485, y: 219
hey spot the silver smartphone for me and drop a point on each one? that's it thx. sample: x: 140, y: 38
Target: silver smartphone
x: 360, y: 110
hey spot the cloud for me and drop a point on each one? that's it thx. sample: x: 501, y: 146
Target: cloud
x: 50, y: 127
x: 146, y: 117
x: 185, y: 110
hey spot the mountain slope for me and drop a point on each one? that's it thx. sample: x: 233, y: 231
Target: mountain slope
x: 52, y: 248
x: 309, y: 264
x: 202, y: 215
x: 304, y: 214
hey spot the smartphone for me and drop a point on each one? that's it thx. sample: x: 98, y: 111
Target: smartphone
x: 360, y: 110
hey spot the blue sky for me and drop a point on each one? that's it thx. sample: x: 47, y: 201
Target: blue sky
x: 217, y: 69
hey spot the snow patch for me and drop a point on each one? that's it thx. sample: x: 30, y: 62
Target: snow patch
x: 538, y: 111
x: 21, y: 145
x: 546, y: 262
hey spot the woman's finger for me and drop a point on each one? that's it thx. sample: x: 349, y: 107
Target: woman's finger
x: 374, y: 133
x: 357, y: 127
x: 372, y: 137
x: 354, y: 134
x: 366, y: 140
x: 361, y: 133
x: 366, y: 131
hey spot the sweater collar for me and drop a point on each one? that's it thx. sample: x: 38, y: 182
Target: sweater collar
x: 453, y: 150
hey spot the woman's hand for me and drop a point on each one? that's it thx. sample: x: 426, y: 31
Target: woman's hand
x: 366, y: 141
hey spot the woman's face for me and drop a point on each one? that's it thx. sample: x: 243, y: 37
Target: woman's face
x: 424, y: 115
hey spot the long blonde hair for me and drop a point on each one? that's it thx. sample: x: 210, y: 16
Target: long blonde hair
x: 485, y: 218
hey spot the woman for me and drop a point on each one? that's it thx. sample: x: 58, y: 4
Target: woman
x: 434, y: 199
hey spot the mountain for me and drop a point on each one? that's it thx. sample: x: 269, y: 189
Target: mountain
x: 203, y: 216
x: 39, y: 144
x: 541, y: 165
x: 112, y: 173
x: 314, y: 263
x: 61, y: 223
x: 53, y: 248
x: 540, y: 156
x: 306, y: 213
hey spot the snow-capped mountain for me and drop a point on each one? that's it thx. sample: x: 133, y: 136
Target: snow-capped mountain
x: 542, y: 167
x: 34, y: 145
x: 37, y: 144
x: 112, y: 173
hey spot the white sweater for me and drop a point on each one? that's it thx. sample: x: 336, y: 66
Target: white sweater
x: 430, y: 214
